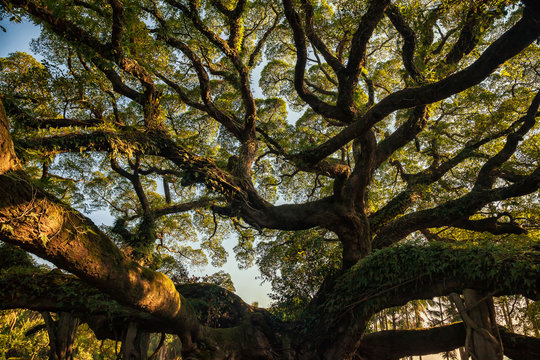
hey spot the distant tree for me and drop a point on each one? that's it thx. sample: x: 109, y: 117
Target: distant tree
x: 389, y: 153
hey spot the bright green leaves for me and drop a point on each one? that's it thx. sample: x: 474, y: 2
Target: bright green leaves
x: 28, y: 80
x: 202, y: 86
x: 277, y: 80
x: 14, y: 344
x: 221, y: 279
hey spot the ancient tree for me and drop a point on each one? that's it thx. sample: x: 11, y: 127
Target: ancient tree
x: 365, y: 153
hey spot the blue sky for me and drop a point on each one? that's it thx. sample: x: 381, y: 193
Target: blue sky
x: 17, y: 37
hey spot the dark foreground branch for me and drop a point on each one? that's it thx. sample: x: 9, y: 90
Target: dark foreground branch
x: 396, y: 344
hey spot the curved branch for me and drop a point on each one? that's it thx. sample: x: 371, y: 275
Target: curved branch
x: 199, y: 169
x: 111, y: 52
x: 285, y: 217
x: 409, y: 42
x: 475, y: 23
x: 512, y: 42
x: 91, y: 256
x: 393, y: 344
x: 177, y: 208
x: 357, y: 53
x: 54, y: 291
x: 486, y: 176
x: 454, y: 211
x: 402, y: 135
x: 204, y: 81
x: 490, y: 225
x: 232, y: 52
x: 319, y: 106
x: 333, y: 61
x: 395, y: 275
x: 433, y: 173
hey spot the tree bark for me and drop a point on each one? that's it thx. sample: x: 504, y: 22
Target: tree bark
x: 483, y: 340
x: 135, y: 342
x: 395, y: 344
x: 61, y: 335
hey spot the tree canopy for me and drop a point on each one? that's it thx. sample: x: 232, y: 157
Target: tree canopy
x: 363, y: 154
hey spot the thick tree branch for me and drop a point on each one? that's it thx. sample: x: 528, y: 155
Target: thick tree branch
x: 477, y: 20
x: 454, y: 211
x: 393, y: 344
x: 491, y: 225
x: 512, y: 42
x: 198, y: 169
x: 204, y: 82
x: 183, y: 207
x: 319, y: 106
x: 232, y: 53
x: 403, y: 134
x: 459, y: 210
x: 54, y: 291
x: 316, y: 41
x: 117, y: 27
x: 111, y: 51
x: 357, y: 53
x: 92, y: 256
x: 72, y: 32
x: 284, y: 217
x: 409, y: 42
x: 117, y: 82
x: 396, y: 275
x: 486, y: 176
x: 430, y: 175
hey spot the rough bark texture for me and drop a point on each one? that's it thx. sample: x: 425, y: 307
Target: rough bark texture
x: 483, y: 339
x: 394, y: 344
x: 8, y: 159
x: 38, y: 223
x: 62, y: 333
x: 135, y: 342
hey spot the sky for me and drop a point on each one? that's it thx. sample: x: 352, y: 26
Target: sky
x: 17, y: 37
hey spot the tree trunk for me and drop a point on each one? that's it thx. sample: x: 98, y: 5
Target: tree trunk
x: 135, y: 343
x: 483, y: 339
x: 61, y: 335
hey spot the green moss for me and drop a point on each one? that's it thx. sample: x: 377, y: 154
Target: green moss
x: 376, y: 281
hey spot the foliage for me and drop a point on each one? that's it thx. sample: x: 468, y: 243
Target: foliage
x: 13, y: 342
x: 361, y: 153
